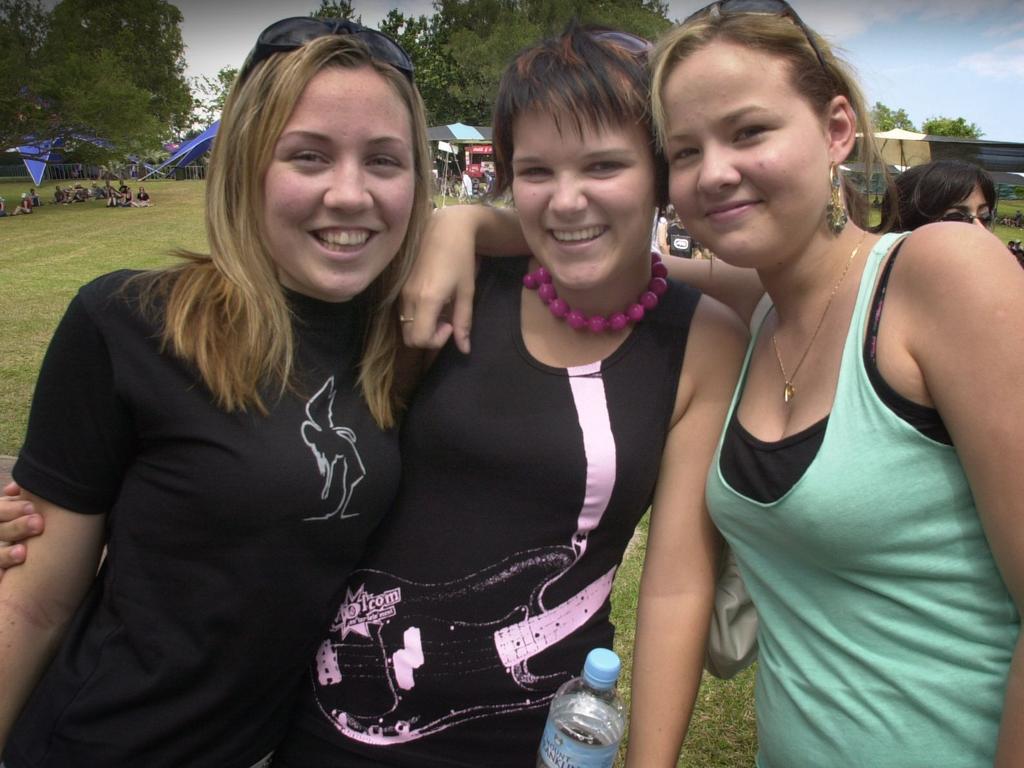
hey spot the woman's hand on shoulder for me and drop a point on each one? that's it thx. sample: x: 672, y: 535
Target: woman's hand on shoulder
x: 445, y: 271
x: 18, y: 522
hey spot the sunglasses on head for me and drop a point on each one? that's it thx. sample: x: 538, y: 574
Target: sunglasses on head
x: 969, y: 218
x: 626, y: 40
x: 767, y: 7
x: 289, y: 34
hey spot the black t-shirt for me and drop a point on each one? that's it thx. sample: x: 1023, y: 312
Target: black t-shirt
x: 228, y: 536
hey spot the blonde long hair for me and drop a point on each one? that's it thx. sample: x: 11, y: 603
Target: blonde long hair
x: 226, y: 312
x: 779, y: 36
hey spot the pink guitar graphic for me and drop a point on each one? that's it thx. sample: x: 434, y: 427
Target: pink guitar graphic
x: 398, y: 656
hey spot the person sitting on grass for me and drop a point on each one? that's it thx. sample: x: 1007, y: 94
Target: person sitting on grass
x: 142, y: 199
x: 24, y: 207
x: 1016, y: 250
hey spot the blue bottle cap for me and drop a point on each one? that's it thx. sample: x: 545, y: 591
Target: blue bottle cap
x: 601, y: 669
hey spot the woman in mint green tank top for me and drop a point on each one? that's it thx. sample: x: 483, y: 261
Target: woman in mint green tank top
x: 868, y: 477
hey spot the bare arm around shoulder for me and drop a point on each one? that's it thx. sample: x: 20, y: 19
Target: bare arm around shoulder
x: 445, y: 271
x: 739, y: 288
x: 37, y: 600
x: 965, y: 321
x: 678, y: 583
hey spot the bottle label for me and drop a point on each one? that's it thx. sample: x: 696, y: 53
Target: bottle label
x: 557, y: 750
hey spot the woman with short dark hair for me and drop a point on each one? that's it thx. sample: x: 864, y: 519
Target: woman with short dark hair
x: 942, y: 190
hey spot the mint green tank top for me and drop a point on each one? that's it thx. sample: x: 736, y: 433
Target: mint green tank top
x: 886, y: 631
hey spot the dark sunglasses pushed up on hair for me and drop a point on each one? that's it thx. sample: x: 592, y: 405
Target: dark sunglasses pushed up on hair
x: 986, y: 219
x: 767, y: 7
x: 292, y: 33
x: 626, y: 40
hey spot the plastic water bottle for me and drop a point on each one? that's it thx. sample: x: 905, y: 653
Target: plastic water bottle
x: 586, y: 720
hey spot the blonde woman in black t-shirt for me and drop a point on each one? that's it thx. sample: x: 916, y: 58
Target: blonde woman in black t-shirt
x: 199, y: 422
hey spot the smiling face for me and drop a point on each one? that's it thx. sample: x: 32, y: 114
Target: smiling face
x: 748, y: 156
x: 339, y: 189
x: 586, y: 205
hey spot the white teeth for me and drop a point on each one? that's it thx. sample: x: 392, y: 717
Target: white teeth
x: 569, y: 236
x: 344, y: 237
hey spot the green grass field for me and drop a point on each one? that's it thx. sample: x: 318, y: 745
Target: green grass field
x: 47, y: 255
x: 723, y: 733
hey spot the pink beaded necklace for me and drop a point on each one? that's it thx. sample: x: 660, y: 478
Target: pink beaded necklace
x: 540, y: 281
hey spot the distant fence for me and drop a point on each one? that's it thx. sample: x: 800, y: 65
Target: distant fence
x: 18, y: 171
x: 190, y: 172
x: 75, y: 171
x: 1008, y: 191
x: 57, y: 171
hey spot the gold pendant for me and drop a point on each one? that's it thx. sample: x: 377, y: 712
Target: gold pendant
x: 788, y: 392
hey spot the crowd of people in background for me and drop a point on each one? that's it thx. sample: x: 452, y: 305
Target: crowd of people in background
x: 1017, y: 220
x: 115, y: 197
x: 123, y: 198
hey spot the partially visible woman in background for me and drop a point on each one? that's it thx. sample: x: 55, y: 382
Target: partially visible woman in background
x: 942, y: 190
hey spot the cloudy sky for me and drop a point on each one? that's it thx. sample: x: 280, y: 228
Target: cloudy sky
x: 954, y: 58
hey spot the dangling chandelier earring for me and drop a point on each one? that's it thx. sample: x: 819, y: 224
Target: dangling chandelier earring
x: 835, y: 211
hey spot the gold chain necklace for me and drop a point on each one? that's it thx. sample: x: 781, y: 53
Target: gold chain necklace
x: 789, y: 391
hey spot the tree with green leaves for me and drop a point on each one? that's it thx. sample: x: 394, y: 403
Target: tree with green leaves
x: 481, y: 36
x: 337, y: 9
x: 143, y: 36
x: 23, y: 110
x: 112, y: 71
x: 460, y: 50
x: 435, y: 68
x: 948, y: 126
x: 209, y: 94
x: 886, y: 119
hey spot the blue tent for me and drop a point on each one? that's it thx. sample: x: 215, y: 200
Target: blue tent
x: 37, y: 154
x: 187, y: 152
x: 36, y: 158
